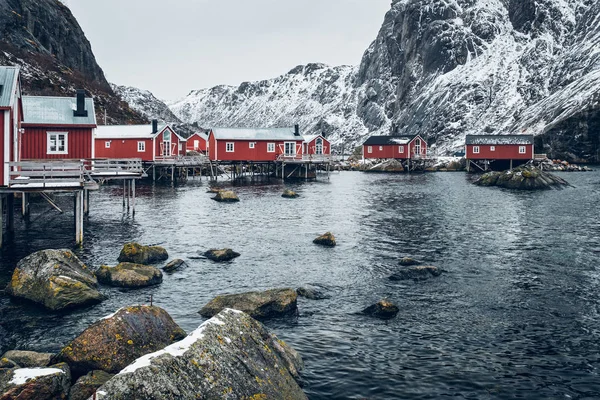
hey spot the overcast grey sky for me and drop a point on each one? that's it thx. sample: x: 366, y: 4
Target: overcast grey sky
x: 172, y: 47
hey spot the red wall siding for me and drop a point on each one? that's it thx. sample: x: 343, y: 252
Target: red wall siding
x: 412, y: 146
x: 124, y: 148
x: 313, y: 143
x: 34, y: 143
x: 502, y: 152
x: 201, y: 143
x: 393, y: 151
x: 243, y: 152
x: 2, y: 113
x: 158, y: 143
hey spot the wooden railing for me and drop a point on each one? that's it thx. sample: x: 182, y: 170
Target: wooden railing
x: 107, y: 167
x: 47, y: 174
x: 182, y: 160
x: 305, y: 157
x: 540, y: 156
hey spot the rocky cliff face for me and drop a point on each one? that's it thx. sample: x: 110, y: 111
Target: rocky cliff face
x: 43, y: 37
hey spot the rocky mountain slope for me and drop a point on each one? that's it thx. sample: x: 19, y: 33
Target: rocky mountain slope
x: 442, y: 69
x: 44, y: 38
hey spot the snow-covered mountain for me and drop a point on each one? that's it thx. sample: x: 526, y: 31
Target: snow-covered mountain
x: 442, y: 69
x: 144, y: 102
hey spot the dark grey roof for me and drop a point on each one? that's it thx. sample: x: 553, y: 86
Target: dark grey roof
x: 392, y: 140
x: 56, y: 111
x: 8, y: 80
x: 256, y: 134
x: 498, y: 139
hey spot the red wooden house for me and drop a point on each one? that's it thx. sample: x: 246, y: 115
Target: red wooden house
x: 147, y: 142
x: 58, y: 127
x: 197, y: 142
x: 316, y: 145
x: 254, y: 145
x: 11, y: 112
x: 412, y: 147
x: 499, y: 149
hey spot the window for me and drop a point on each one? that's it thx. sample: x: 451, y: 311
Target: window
x: 196, y: 144
x: 180, y: 147
x: 107, y: 144
x: 401, y: 149
x: 319, y: 146
x: 522, y: 150
x: 141, y: 147
x: 270, y: 147
x: 251, y: 144
x: 380, y: 148
x: 229, y: 147
x: 58, y: 143
x: 475, y: 149
x: 492, y: 148
x: 370, y: 149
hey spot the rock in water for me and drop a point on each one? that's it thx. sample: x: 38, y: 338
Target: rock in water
x: 267, y: 304
x: 113, y: 342
x: 407, y: 261
x: 50, y: 383
x: 289, y: 194
x: 57, y: 279
x: 382, y: 309
x: 221, y: 255
x: 418, y: 273
x: 138, y: 254
x: 525, y: 177
x: 326, y: 239
x: 230, y: 356
x: 85, y: 386
x: 28, y: 359
x: 387, y: 166
x: 174, y: 265
x: 226, y: 196
x: 129, y: 275
x: 312, y: 293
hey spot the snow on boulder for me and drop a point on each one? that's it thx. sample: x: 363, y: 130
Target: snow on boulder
x: 56, y: 279
x: 113, y: 342
x: 138, y: 254
x: 267, y: 304
x: 36, y: 383
x: 230, y: 356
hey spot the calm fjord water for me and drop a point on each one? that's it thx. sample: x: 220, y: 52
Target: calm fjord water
x: 516, y: 315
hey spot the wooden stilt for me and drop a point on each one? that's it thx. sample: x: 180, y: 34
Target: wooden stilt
x: 25, y: 204
x: 79, y: 217
x: 511, y: 164
x: 133, y: 197
x: 86, y: 202
x: 153, y: 173
x: 124, y: 192
x: 10, y: 212
x: 128, y: 184
x: 1, y: 220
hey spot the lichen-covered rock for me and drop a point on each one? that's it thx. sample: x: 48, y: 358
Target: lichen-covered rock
x: 230, y: 356
x: 174, y: 265
x: 226, y: 196
x: 289, y: 194
x: 260, y: 305
x: 56, y: 279
x: 525, y: 177
x: 382, y: 309
x: 28, y: 359
x: 312, y: 293
x: 221, y: 255
x: 6, y: 363
x: 51, y: 383
x: 407, y: 261
x: 417, y: 273
x: 129, y: 275
x: 326, y: 239
x: 86, y: 385
x: 113, y: 342
x: 138, y: 254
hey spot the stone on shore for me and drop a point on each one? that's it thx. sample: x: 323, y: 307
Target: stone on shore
x: 221, y: 255
x: 387, y: 166
x: 28, y: 359
x: 129, y: 275
x: 138, y: 254
x: 383, y: 309
x: 289, y: 194
x: 56, y: 279
x: 113, y: 342
x: 326, y: 239
x: 230, y: 356
x: 260, y: 305
x: 86, y: 385
x: 525, y: 177
x: 407, y: 261
x: 226, y: 196
x: 418, y: 273
x: 174, y: 265
x: 49, y: 383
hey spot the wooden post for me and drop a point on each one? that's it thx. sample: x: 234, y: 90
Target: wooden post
x: 25, y: 204
x: 124, y: 192
x: 173, y: 174
x: 79, y: 217
x: 1, y: 220
x: 153, y: 173
x: 511, y: 164
x: 128, y: 184
x: 10, y: 212
x: 133, y: 198
x: 283, y: 171
x: 468, y: 165
x: 86, y: 202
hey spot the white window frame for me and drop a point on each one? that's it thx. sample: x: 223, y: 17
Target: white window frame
x: 475, y: 149
x: 522, y: 149
x: 141, y: 147
x: 270, y: 147
x: 401, y: 149
x: 107, y: 144
x: 229, y: 147
x: 492, y: 148
x: 251, y: 145
x: 369, y: 149
x: 57, y: 134
x: 380, y: 148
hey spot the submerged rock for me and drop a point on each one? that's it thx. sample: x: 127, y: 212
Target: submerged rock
x: 267, y: 304
x: 138, y: 254
x: 407, y: 261
x: 86, y: 385
x: 226, y: 196
x: 28, y: 359
x: 113, y: 342
x: 56, y: 279
x: 312, y: 293
x: 174, y: 265
x: 221, y: 255
x: 50, y: 383
x: 326, y: 239
x: 383, y: 309
x: 230, y: 356
x: 418, y: 273
x: 129, y: 275
x: 525, y: 177
x: 289, y: 194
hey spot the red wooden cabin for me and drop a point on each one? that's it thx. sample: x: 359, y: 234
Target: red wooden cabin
x: 197, y: 142
x: 58, y: 127
x: 147, y: 142
x: 316, y: 145
x: 254, y: 145
x: 11, y: 112
x: 499, y: 147
x: 410, y: 147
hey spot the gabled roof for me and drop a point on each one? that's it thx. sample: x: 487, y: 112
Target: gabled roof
x: 203, y: 135
x: 9, y: 77
x: 56, y: 111
x: 498, y: 139
x: 127, y: 131
x: 256, y: 134
x: 310, y: 138
x: 389, y: 140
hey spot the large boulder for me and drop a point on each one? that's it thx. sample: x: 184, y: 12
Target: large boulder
x: 526, y: 177
x: 221, y: 255
x: 174, y: 265
x: 113, y: 342
x: 129, y: 275
x: 267, y: 304
x: 56, y: 279
x: 230, y: 356
x: 28, y: 359
x: 418, y: 273
x: 226, y: 196
x: 50, y: 383
x: 86, y: 385
x: 138, y: 254
x: 383, y: 309
x: 327, y: 239
x: 387, y: 166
